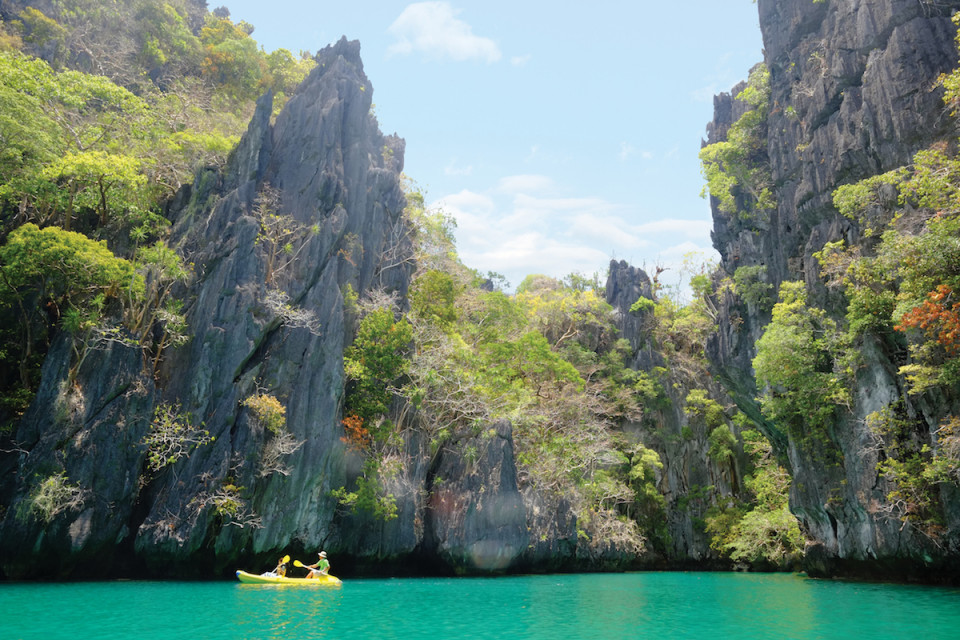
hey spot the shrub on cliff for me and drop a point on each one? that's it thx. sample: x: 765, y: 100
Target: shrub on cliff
x: 798, y: 366
x: 762, y: 529
x: 737, y: 170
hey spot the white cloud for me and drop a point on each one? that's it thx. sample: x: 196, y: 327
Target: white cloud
x: 722, y: 79
x: 465, y: 200
x: 433, y: 29
x: 706, y: 93
x: 520, y: 61
x: 606, y: 230
x: 627, y: 151
x: 678, y: 251
x: 523, y: 225
x: 511, y: 231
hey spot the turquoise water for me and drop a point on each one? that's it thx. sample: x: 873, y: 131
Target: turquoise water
x: 636, y: 605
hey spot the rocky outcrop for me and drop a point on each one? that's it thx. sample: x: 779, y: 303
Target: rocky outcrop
x: 851, y: 96
x: 80, y: 446
x: 261, y: 322
x: 690, y: 480
x: 306, y: 217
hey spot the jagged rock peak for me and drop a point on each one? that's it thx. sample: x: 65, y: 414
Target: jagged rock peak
x: 626, y: 283
x: 349, y: 50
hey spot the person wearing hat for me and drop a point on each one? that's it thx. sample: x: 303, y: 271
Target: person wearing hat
x: 321, y: 567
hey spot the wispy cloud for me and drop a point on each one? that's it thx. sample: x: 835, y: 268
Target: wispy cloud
x: 706, y: 92
x: 722, y: 79
x: 520, y: 61
x: 453, y: 168
x: 433, y: 29
x: 686, y: 228
x: 628, y: 151
x: 525, y: 183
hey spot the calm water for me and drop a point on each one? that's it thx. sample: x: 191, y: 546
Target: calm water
x: 638, y: 605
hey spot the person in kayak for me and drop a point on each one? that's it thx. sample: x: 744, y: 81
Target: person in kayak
x: 321, y: 567
x: 281, y: 569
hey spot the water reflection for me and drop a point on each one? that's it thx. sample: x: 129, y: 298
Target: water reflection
x: 285, y: 611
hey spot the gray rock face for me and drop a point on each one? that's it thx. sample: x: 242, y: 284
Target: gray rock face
x: 327, y: 161
x: 851, y: 94
x: 475, y: 518
x: 88, y: 434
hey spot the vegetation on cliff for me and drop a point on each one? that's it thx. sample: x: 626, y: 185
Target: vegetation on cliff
x: 896, y: 278
x: 546, y: 358
x: 98, y: 132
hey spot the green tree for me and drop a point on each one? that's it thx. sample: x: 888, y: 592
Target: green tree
x: 172, y: 436
x: 762, y: 529
x: 28, y: 134
x: 529, y: 361
x: 231, y: 59
x: 433, y: 295
x: 39, y: 30
x: 108, y: 185
x: 750, y: 285
x: 44, y: 272
x: 285, y: 72
x: 374, y: 362
x: 165, y: 43
x: 50, y: 497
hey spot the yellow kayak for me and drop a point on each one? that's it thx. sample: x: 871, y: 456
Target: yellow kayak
x: 253, y: 578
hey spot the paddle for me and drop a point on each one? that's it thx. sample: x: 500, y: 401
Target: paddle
x: 297, y: 563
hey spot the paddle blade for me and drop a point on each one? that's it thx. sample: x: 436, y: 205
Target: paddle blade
x: 286, y: 559
x: 297, y: 563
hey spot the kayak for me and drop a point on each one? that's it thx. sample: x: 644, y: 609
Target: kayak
x: 254, y: 578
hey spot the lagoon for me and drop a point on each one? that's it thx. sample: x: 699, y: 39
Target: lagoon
x: 632, y: 605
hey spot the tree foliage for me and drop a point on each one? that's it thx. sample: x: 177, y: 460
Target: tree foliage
x: 799, y: 365
x: 374, y: 362
x: 106, y: 109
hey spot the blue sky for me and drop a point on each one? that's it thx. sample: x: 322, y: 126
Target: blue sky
x: 559, y: 134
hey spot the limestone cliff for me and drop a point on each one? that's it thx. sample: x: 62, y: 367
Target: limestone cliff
x: 851, y: 95
x: 261, y: 321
